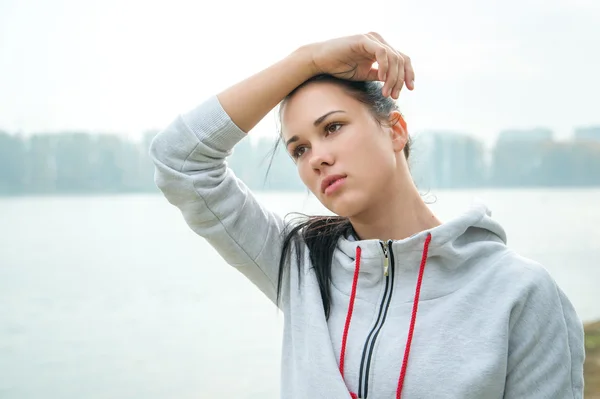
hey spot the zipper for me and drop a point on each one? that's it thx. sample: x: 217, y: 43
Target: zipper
x: 368, y: 349
x: 386, y: 261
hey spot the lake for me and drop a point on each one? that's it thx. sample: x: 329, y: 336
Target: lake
x: 115, y: 297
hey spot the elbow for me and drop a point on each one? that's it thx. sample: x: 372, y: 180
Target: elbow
x: 165, y: 165
x: 156, y: 149
x: 166, y: 151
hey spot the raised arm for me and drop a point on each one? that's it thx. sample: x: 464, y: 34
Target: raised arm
x: 190, y: 153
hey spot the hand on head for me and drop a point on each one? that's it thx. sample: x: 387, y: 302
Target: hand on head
x: 353, y: 57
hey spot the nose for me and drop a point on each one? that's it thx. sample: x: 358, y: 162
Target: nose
x: 320, y: 157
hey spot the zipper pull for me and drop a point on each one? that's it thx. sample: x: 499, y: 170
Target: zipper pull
x: 386, y: 261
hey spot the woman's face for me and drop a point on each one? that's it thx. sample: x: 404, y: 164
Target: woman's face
x: 344, y: 156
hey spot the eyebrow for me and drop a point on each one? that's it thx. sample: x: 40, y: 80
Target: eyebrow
x: 320, y: 119
x: 317, y: 122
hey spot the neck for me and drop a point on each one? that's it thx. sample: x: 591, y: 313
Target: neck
x: 401, y: 214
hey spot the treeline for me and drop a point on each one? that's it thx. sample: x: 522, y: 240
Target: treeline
x: 80, y: 162
x: 73, y: 163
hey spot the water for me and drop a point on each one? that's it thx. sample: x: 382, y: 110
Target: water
x: 114, y: 297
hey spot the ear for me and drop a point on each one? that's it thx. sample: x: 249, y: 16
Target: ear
x: 398, y: 130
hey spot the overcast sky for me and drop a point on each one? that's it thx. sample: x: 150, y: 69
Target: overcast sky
x: 125, y: 66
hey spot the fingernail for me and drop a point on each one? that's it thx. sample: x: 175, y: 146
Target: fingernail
x: 412, y: 83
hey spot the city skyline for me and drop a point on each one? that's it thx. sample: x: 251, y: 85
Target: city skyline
x: 86, y: 163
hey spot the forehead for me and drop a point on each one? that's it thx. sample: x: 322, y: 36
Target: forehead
x: 312, y: 101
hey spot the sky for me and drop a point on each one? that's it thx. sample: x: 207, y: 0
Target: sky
x: 124, y: 67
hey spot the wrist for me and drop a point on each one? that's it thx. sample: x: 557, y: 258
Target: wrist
x: 303, y: 58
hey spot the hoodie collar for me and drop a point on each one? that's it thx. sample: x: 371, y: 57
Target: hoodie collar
x: 443, y: 237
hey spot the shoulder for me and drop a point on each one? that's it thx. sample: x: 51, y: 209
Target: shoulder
x: 524, y: 284
x: 524, y: 273
x: 532, y: 290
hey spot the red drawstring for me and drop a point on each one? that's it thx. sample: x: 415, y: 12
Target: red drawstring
x: 349, y: 314
x: 413, y: 318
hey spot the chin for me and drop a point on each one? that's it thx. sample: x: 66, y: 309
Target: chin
x: 343, y: 205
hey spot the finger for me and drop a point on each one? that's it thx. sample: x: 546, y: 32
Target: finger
x: 397, y: 86
x: 392, y: 76
x: 373, y: 74
x: 399, y: 83
x: 377, y: 37
x: 409, y: 73
x: 379, y: 52
x: 400, y: 79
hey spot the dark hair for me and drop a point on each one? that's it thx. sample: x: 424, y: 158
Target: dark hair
x: 321, y: 233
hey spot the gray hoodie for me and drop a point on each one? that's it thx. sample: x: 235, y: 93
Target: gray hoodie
x: 450, y: 312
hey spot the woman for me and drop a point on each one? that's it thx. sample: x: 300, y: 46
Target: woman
x: 382, y: 300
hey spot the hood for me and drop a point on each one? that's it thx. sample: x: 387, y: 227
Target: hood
x: 454, y: 249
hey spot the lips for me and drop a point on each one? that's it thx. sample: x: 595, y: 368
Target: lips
x: 329, y: 180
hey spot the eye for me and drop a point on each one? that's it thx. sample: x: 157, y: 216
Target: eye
x: 299, y: 151
x: 333, y: 127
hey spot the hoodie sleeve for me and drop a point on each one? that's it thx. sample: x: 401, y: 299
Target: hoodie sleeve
x: 192, y: 173
x: 546, y: 343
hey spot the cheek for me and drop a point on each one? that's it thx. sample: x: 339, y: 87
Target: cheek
x: 374, y: 164
x: 306, y: 174
x: 370, y: 154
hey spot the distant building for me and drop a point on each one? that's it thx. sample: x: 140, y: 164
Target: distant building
x: 444, y: 159
x: 591, y: 133
x: 518, y: 156
x: 570, y: 164
x: 530, y: 135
